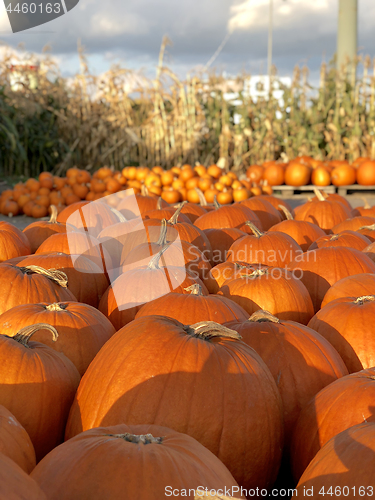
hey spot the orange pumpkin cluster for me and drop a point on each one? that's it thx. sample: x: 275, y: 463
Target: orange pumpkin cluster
x: 305, y: 170
x: 223, y: 347
x: 177, y: 184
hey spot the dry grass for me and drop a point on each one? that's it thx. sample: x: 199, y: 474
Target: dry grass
x: 91, y: 121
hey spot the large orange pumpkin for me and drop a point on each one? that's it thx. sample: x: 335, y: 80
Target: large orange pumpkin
x: 304, y: 233
x: 357, y: 285
x: 227, y: 271
x: 173, y: 381
x: 319, y: 269
x: 366, y: 173
x: 346, y: 238
x: 343, y: 175
x: 37, y: 385
x: 344, y: 323
x: 346, y: 402
x: 274, y: 174
x: 234, y: 216
x: 304, y: 364
x: 273, y: 289
x: 353, y: 224
x: 83, y: 330
x: 30, y: 285
x: 267, y: 213
x: 272, y: 248
x: 17, y: 484
x: 166, y: 460
x: 39, y: 231
x: 297, y: 174
x: 15, y: 443
x: 13, y: 242
x: 345, y: 464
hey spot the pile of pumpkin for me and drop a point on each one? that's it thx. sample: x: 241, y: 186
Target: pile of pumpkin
x: 304, y: 170
x: 195, y: 184
x: 147, y: 349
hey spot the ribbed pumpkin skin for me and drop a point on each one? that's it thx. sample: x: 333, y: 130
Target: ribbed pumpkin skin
x: 17, y: 288
x: 219, y: 274
x: 301, y: 362
x: 67, y: 212
x: 322, y: 268
x: 233, y: 216
x: 92, y: 218
x: 127, y: 294
x: 271, y: 249
x: 13, y: 242
x: 15, y: 443
x: 160, y: 375
x: 342, y: 404
x: 275, y: 202
x: 77, y: 244
x: 16, y: 484
x: 37, y: 385
x: 347, y: 238
x: 266, y: 213
x: 82, y: 329
x: 351, y: 286
x: 346, y: 324
x: 345, y: 463
x: 353, y: 224
x: 221, y: 240
x: 37, y: 232
x: 276, y: 291
x: 189, y: 309
x: 83, y: 466
x: 326, y: 214
x: 304, y: 233
x: 86, y: 280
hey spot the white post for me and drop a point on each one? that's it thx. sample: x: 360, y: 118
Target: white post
x: 347, y: 31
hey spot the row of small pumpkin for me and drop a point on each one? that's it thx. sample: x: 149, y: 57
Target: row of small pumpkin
x: 178, y: 361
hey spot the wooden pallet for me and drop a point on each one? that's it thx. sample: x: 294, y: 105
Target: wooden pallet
x: 342, y: 190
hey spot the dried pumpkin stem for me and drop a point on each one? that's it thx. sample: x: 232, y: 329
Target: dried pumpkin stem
x: 159, y: 203
x: 257, y: 232
x: 53, y: 218
x: 173, y: 219
x: 202, y: 199
x: 24, y: 335
x: 366, y: 203
x: 372, y: 227
x: 319, y: 195
x: 208, y: 329
x: 154, y: 262
x: 138, y: 439
x: 56, y: 307
x: 364, y: 298
x: 163, y: 233
x: 216, y: 203
x: 256, y: 273
x: 262, y: 316
x: 58, y: 277
x: 194, y: 289
x: 144, y: 190
x: 334, y: 237
x: 286, y: 212
x: 118, y: 214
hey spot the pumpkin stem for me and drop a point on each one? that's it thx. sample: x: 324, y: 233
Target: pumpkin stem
x: 137, y: 439
x: 56, y: 307
x: 163, y: 234
x: 206, y: 330
x: 53, y: 274
x: 194, y: 289
x: 53, y: 218
x: 202, y: 199
x: 216, y: 203
x: 24, y: 335
x: 118, y: 214
x: 154, y: 262
x: 372, y: 227
x: 173, y: 219
x: 319, y: 195
x: 364, y: 298
x: 286, y: 212
x: 366, y: 203
x: 144, y: 190
x: 159, y: 202
x: 256, y: 232
x: 258, y: 272
x: 334, y: 237
x: 262, y: 315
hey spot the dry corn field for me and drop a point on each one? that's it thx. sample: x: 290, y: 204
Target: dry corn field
x: 91, y: 121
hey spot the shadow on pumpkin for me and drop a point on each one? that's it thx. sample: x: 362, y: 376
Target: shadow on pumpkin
x: 345, y: 466
x: 163, y: 387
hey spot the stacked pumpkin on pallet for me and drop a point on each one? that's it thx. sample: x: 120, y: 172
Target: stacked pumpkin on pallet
x: 305, y: 170
x: 222, y: 347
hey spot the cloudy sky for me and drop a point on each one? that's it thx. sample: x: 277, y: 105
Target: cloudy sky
x: 130, y: 32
